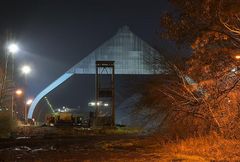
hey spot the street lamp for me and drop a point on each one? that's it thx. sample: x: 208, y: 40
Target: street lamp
x: 29, y: 102
x: 26, y: 69
x: 13, y: 48
x: 19, y: 92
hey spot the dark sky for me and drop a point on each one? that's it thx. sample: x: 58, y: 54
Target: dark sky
x: 55, y: 34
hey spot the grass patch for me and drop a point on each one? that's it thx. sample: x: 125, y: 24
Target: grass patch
x: 206, y: 148
x: 119, y: 131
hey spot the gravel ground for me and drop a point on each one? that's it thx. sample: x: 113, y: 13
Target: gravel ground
x: 94, y: 147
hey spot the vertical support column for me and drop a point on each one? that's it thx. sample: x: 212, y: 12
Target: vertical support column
x: 113, y: 97
x: 105, y: 92
x: 97, y: 92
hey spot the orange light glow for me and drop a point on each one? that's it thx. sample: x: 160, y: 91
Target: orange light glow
x: 237, y: 57
x: 19, y: 92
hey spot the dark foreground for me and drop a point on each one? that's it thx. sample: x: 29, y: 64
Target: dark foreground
x: 73, y: 144
x: 49, y: 145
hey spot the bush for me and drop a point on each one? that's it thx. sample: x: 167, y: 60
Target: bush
x: 7, y: 125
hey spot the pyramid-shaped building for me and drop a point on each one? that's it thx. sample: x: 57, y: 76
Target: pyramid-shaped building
x: 130, y: 54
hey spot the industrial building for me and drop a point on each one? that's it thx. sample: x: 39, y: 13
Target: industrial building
x: 130, y: 57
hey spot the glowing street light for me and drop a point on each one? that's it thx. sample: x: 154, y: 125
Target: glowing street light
x: 26, y: 69
x: 29, y: 102
x: 19, y: 92
x: 237, y: 57
x: 13, y: 48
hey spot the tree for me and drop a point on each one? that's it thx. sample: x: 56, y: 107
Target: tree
x: 209, y: 29
x: 5, y: 82
x: 6, y: 122
x: 230, y: 19
x: 193, y: 18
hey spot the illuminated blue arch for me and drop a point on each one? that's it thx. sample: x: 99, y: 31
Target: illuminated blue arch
x: 48, y: 89
x: 130, y: 54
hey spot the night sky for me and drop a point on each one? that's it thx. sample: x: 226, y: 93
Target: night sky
x: 55, y: 34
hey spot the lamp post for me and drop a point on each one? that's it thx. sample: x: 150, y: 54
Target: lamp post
x: 12, y: 49
x: 19, y: 92
x: 29, y: 102
x: 26, y: 69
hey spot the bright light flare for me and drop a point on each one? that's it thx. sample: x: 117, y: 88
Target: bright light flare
x: 92, y: 104
x: 13, y: 48
x: 99, y: 103
x: 237, y: 57
x: 106, y: 104
x: 19, y: 92
x: 29, y: 101
x: 26, y: 69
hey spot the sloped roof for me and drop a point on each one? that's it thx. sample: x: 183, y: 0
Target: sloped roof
x: 130, y: 54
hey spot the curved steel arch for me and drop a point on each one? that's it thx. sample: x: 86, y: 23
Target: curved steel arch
x: 131, y: 55
x: 48, y: 89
